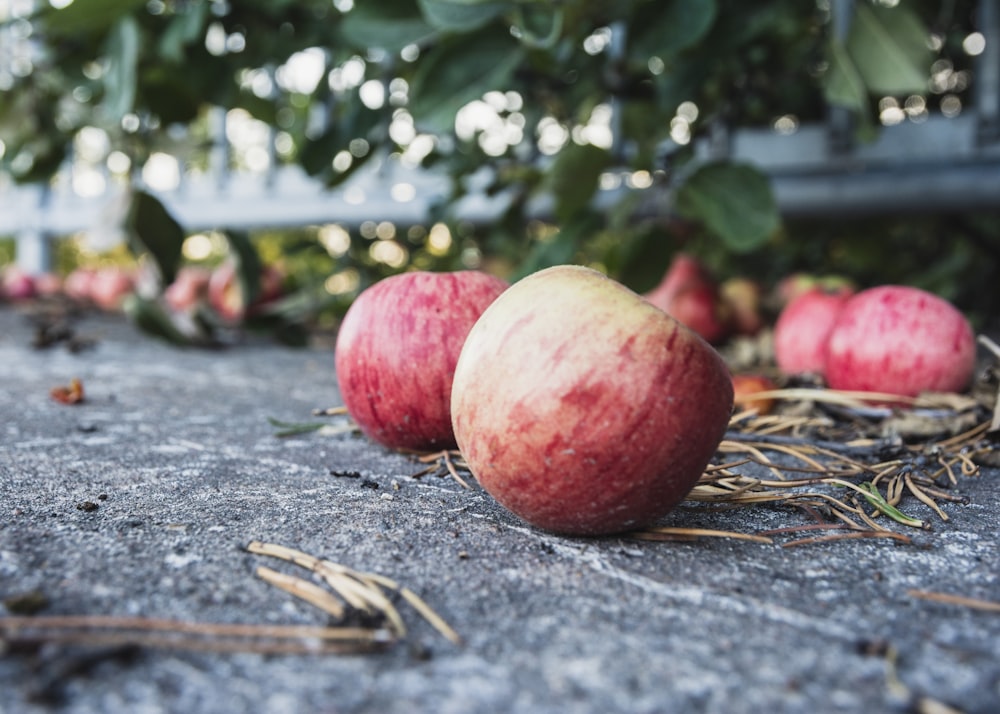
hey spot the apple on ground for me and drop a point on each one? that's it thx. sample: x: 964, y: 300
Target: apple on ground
x: 900, y: 340
x: 16, y: 284
x: 584, y: 409
x: 396, y: 352
x: 225, y: 294
x: 109, y: 286
x: 745, y: 389
x: 803, y: 328
x: 690, y: 294
x: 189, y: 288
x: 48, y: 284
x: 77, y: 284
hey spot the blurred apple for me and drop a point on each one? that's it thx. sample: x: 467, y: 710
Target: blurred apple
x: 77, y: 284
x: 225, y: 293
x: 396, y: 352
x: 582, y: 408
x: 16, y: 284
x: 690, y: 294
x: 900, y: 340
x: 109, y: 286
x: 746, y: 386
x: 189, y: 288
x: 802, y: 330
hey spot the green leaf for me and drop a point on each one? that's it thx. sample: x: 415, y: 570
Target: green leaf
x: 153, y: 230
x: 184, y: 28
x: 289, y: 428
x: 664, y: 29
x: 843, y: 84
x: 460, y: 69
x: 574, y: 176
x: 85, y: 16
x: 889, y: 48
x: 390, y: 25
x: 734, y: 201
x: 124, y: 43
x: 248, y: 265
x: 457, y: 16
x: 152, y: 319
x: 540, y: 24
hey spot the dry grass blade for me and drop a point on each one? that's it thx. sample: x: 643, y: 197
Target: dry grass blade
x: 849, y: 535
x: 362, y: 591
x: 196, y: 636
x: 436, y: 621
x: 670, y: 533
x: 302, y: 589
x: 961, y: 600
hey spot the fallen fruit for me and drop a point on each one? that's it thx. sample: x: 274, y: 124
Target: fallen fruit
x: 583, y: 408
x: 688, y: 293
x: 900, y: 340
x: 15, y: 284
x: 189, y: 288
x: 109, y: 286
x: 225, y: 292
x: 746, y: 386
x: 396, y: 352
x: 803, y: 329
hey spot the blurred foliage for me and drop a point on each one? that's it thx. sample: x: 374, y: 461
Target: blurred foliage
x: 147, y: 72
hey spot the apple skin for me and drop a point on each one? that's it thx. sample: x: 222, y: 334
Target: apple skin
x: 225, y: 293
x: 109, y: 286
x: 16, y: 284
x: 745, y: 386
x: 396, y: 352
x: 688, y: 293
x: 189, y: 288
x: 900, y: 340
x: 803, y: 329
x: 584, y: 409
x: 77, y: 284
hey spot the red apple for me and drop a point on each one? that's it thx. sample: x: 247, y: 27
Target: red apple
x: 900, y: 340
x: 802, y: 330
x: 16, y: 284
x: 109, y: 286
x: 396, y: 352
x: 225, y: 294
x: 690, y: 294
x: 48, y: 284
x: 746, y: 386
x: 584, y: 409
x: 77, y: 284
x: 190, y: 287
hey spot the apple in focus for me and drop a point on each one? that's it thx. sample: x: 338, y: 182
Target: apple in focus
x: 584, y: 409
x: 396, y: 352
x: 900, y: 340
x: 803, y: 328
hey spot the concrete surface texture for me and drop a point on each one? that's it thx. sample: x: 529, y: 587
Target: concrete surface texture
x: 141, y: 500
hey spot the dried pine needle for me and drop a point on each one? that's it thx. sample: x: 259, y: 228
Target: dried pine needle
x: 670, y: 533
x: 960, y: 600
x: 362, y: 591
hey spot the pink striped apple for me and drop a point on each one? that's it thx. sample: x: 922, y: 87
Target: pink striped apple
x: 583, y: 408
x: 900, y: 340
x: 396, y: 352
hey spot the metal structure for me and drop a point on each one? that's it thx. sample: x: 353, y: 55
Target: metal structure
x: 939, y: 164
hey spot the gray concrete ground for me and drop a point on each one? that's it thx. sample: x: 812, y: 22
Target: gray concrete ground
x: 173, y: 450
